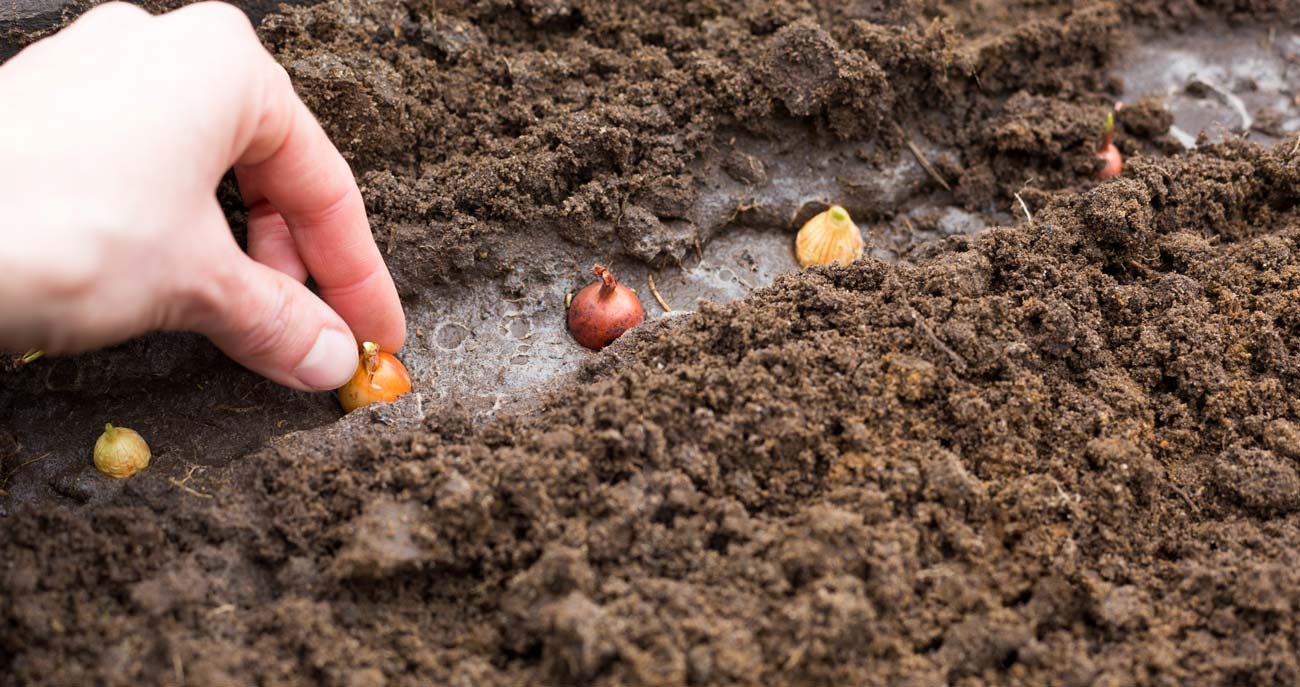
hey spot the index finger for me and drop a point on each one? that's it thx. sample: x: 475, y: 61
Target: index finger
x: 289, y: 163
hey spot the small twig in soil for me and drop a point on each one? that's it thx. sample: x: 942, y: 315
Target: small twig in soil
x: 181, y: 483
x: 655, y: 292
x: 14, y: 471
x: 392, y: 240
x: 740, y: 279
x: 920, y: 157
x: 796, y: 656
x: 1186, y: 499
x: 959, y: 361
x: 1296, y: 148
x: 743, y: 206
x: 622, y: 203
x: 1029, y: 216
x: 254, y: 388
x: 237, y: 410
x: 1066, y: 498
x: 178, y: 667
x: 1146, y: 271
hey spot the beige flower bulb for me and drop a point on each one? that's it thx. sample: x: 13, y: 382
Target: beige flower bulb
x: 830, y: 237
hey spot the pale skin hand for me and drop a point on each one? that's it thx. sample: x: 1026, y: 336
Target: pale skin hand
x: 114, y: 134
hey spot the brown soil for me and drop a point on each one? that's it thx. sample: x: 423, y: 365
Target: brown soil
x: 1064, y: 452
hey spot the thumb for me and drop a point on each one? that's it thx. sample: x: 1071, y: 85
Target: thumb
x: 274, y: 326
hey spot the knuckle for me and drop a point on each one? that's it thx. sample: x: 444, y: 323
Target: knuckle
x: 279, y: 76
x: 74, y: 278
x: 343, y: 203
x: 240, y: 306
x: 202, y: 296
x: 225, y: 16
x: 277, y: 95
x: 219, y: 28
x: 268, y: 329
x: 360, y: 283
x: 115, y: 10
x: 214, y: 38
x: 279, y: 86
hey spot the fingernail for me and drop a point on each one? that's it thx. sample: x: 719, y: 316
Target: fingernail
x: 331, y: 362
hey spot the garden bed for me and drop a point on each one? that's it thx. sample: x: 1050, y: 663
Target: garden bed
x: 1043, y: 434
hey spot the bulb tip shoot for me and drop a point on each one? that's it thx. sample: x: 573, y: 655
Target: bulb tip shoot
x: 1108, y: 130
x: 606, y: 277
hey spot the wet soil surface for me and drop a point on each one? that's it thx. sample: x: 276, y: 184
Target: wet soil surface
x: 1060, y: 451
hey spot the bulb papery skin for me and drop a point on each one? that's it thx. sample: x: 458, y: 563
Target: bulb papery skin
x: 603, y: 310
x: 1114, y: 162
x: 121, y: 452
x: 829, y: 237
x: 380, y: 378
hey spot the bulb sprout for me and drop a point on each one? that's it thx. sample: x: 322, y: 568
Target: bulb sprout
x: 608, y: 282
x: 370, y: 357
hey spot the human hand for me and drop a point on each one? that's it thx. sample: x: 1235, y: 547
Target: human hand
x: 114, y: 134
